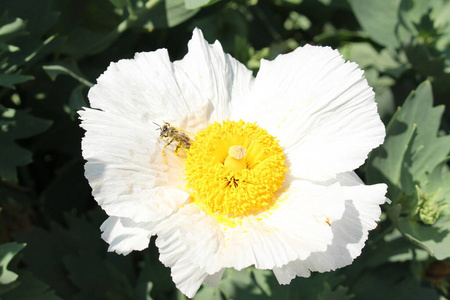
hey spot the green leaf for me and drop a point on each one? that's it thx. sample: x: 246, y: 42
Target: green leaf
x: 10, y: 80
x: 193, y: 4
x: 11, y: 156
x: 30, y: 288
x: 411, y: 13
x: 43, y: 256
x: 165, y: 14
x: 7, y: 253
x: 241, y: 285
x: 391, y: 282
x: 423, y: 61
x: 39, y: 18
x: 119, y: 3
x: 26, y: 125
x: 365, y: 55
x: 340, y: 293
x: 17, y: 124
x: 154, y: 275
x: 413, y: 155
x: 379, y: 19
x: 412, y: 149
x: 66, y: 68
x: 10, y: 29
x: 435, y: 239
x: 96, y: 278
x: 208, y: 293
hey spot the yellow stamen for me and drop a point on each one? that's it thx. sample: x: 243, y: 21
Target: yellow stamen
x: 233, y: 170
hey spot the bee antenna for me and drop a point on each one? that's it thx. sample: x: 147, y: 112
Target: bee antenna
x: 157, y: 125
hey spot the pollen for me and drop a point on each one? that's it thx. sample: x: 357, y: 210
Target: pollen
x: 233, y: 170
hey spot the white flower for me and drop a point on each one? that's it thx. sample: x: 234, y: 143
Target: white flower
x: 268, y: 180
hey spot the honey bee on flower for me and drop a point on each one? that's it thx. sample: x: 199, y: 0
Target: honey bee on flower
x: 172, y: 134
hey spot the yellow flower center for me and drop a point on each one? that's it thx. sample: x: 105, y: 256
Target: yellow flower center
x: 233, y: 169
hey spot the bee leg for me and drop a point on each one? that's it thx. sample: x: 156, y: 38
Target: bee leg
x: 177, y: 149
x: 164, y: 150
x: 168, y: 144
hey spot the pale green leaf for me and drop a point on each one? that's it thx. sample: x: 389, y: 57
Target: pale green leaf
x: 379, y: 19
x: 7, y: 253
x: 193, y: 4
x: 412, y: 149
x: 435, y: 239
x: 11, y: 28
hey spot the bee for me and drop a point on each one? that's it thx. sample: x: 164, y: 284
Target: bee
x: 170, y: 133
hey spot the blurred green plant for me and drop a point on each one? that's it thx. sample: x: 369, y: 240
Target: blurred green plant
x: 52, y: 52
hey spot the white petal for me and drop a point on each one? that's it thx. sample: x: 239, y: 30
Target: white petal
x: 188, y: 277
x: 188, y: 241
x: 294, y: 229
x: 206, y: 72
x: 320, y: 108
x: 362, y: 210
x: 126, y: 170
x: 123, y: 235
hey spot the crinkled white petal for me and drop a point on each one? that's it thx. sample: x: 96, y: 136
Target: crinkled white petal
x: 362, y: 210
x: 294, y: 229
x: 125, y: 166
x: 187, y: 241
x: 320, y: 108
x: 206, y: 72
x: 123, y: 235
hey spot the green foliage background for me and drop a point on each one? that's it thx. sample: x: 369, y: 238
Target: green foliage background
x: 51, y: 52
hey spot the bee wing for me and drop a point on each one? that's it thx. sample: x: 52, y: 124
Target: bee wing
x: 189, y: 134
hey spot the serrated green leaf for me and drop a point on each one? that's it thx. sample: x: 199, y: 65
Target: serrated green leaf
x: 7, y: 253
x: 413, y: 155
x: 379, y: 19
x: 412, y: 149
